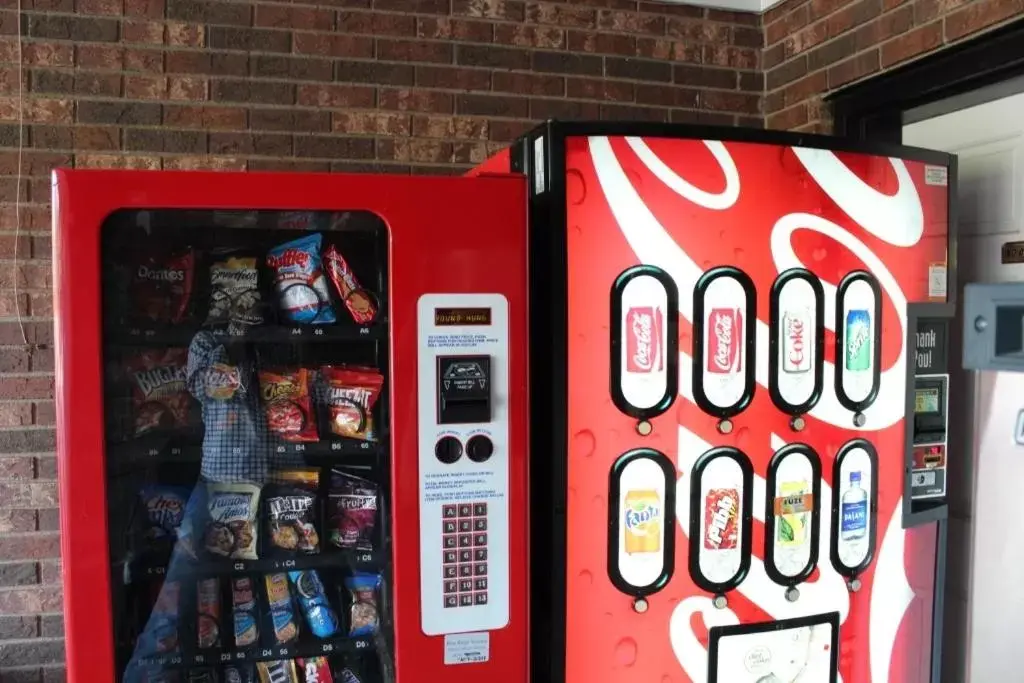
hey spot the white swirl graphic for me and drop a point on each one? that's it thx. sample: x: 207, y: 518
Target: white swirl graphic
x: 708, y: 200
x: 897, y: 219
x: 891, y: 595
x: 888, y: 407
x: 653, y: 244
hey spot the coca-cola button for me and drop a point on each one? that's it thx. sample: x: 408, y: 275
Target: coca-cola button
x: 644, y: 341
x: 725, y: 319
x: 796, y: 330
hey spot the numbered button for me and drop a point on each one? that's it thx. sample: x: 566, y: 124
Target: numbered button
x: 480, y: 598
x: 479, y: 524
x: 465, y: 511
x: 465, y: 586
x: 450, y: 542
x: 465, y: 525
x: 480, y: 569
x: 465, y: 556
x: 466, y: 600
x: 450, y: 527
x: 450, y: 511
x: 479, y: 539
x: 479, y: 509
x: 451, y: 601
x: 480, y: 554
x: 451, y: 572
x: 480, y: 584
x: 451, y: 586
x: 466, y: 540
x: 450, y: 557
x: 465, y: 570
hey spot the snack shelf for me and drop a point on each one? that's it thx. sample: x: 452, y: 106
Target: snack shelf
x: 144, y: 452
x: 181, y: 336
x: 311, y: 648
x: 359, y: 560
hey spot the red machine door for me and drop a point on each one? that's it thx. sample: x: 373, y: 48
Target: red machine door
x: 238, y: 412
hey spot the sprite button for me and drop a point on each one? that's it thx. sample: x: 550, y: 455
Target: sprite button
x: 858, y: 334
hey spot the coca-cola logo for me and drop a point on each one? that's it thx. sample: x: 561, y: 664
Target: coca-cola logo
x: 796, y: 341
x: 642, y: 329
x: 724, y: 340
x: 723, y: 334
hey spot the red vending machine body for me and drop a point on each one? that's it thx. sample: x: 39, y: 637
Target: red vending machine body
x: 265, y: 385
x: 726, y: 404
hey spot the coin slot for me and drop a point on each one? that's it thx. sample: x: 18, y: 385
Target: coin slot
x: 644, y: 341
x: 854, y: 507
x: 796, y: 341
x: 725, y: 320
x: 858, y: 350
x: 721, y: 505
x: 791, y: 516
x: 641, y: 522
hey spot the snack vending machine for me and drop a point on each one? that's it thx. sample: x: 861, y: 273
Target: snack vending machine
x: 725, y: 415
x: 292, y: 427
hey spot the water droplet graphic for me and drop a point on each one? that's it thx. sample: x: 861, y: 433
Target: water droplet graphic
x: 666, y: 679
x: 743, y: 440
x: 583, y: 443
x: 737, y: 253
x: 587, y: 577
x: 597, y: 502
x: 625, y: 652
x: 578, y: 229
x: 721, y: 235
x: 705, y: 264
x: 575, y: 186
x: 819, y: 255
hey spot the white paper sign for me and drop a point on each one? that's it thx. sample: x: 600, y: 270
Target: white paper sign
x: 467, y: 648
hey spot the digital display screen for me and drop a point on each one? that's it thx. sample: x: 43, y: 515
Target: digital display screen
x: 926, y: 400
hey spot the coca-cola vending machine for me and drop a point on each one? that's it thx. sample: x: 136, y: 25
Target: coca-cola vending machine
x: 292, y: 428
x: 739, y: 471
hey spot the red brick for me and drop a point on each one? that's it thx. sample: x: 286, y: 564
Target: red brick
x: 370, y: 123
x: 413, y: 6
x: 138, y: 162
x: 510, y: 10
x: 600, y: 89
x: 926, y: 11
x: 981, y: 15
x: 414, y: 150
x: 301, y: 18
x: 448, y: 28
x: 699, y: 31
x: 486, y: 105
x: 17, y: 521
x: 33, y: 600
x: 728, y: 55
x: 892, y: 24
x: 452, y: 78
x: 459, y: 127
x: 855, y: 14
x: 36, y: 546
x: 415, y: 100
x: 527, y: 35
x: 108, y: 7
x: 470, y: 152
x: 41, y: 53
x: 678, y: 51
x: 154, y: 9
x: 912, y: 44
x: 788, y: 119
x: 187, y: 35
x: 29, y: 275
x: 335, y: 96
x: 143, y: 32
x: 506, y: 131
x: 667, y: 96
x: 12, y: 307
x: 17, y: 467
x: 632, y: 22
x: 564, y: 109
x: 206, y: 117
x: 376, y: 23
x: 720, y: 100
x: 561, y: 15
x: 333, y: 45
x: 526, y: 83
x: 414, y: 51
x: 853, y: 69
x: 204, y: 163
x: 44, y: 413
x: 788, y: 24
x: 13, y: 333
x: 37, y: 110
x: 15, y: 414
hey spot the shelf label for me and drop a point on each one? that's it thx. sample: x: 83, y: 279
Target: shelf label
x: 467, y: 648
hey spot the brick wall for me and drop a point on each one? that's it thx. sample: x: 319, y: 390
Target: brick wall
x: 816, y: 46
x: 314, y: 85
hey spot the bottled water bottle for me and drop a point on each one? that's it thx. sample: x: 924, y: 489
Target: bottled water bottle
x: 854, y: 509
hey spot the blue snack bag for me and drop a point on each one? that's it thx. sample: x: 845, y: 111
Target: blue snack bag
x: 302, y: 293
x: 363, y: 615
x: 322, y: 620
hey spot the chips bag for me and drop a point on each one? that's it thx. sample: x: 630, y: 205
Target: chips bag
x: 352, y: 511
x: 350, y: 395
x: 231, y: 527
x: 161, y: 287
x: 359, y: 302
x: 235, y: 299
x: 302, y: 294
x: 363, y: 616
x: 290, y: 512
x: 288, y: 404
x: 159, y: 397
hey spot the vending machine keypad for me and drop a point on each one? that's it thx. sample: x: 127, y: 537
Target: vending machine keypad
x: 463, y: 462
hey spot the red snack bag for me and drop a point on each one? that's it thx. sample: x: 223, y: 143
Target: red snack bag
x: 358, y: 301
x: 351, y: 394
x: 288, y: 404
x: 315, y: 670
x: 159, y: 395
x: 721, y: 519
x: 162, y: 287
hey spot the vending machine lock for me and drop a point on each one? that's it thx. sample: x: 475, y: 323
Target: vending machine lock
x: 463, y: 389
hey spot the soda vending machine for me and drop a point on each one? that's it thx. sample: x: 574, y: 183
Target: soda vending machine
x: 739, y: 471
x: 292, y: 428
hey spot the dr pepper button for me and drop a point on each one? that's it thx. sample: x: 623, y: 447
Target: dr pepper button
x: 448, y: 449
x: 479, y: 448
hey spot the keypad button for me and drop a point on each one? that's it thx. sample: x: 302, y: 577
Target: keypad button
x: 465, y: 525
x: 465, y: 511
x: 480, y: 598
x: 465, y: 570
x: 451, y: 601
x: 478, y: 524
x: 465, y: 556
x: 466, y: 540
x: 479, y: 509
x: 450, y: 527
x: 480, y: 584
x: 450, y: 557
x: 451, y: 571
x: 480, y: 569
x: 466, y: 600
x: 449, y: 511
x: 480, y: 554
x: 479, y: 539
x: 450, y: 542
x: 465, y: 586
x: 451, y: 586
